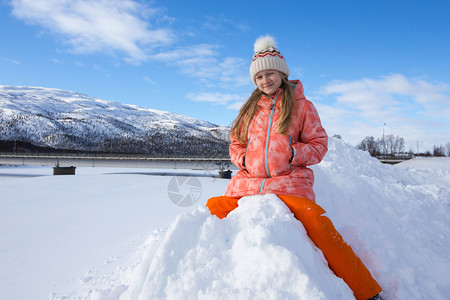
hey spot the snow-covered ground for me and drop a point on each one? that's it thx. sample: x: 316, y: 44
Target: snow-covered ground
x: 118, y: 234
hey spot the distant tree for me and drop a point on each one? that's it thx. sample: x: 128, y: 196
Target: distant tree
x: 389, y: 141
x: 438, y: 150
x: 448, y: 149
x: 370, y: 145
x: 394, y: 144
x: 399, y: 144
x: 390, y: 145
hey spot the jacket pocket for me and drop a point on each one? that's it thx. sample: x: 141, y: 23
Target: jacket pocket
x: 292, y: 151
x: 245, y: 153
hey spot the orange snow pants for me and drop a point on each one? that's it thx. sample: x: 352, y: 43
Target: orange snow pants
x: 340, y: 256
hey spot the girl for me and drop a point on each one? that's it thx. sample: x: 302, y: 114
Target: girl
x: 275, y: 136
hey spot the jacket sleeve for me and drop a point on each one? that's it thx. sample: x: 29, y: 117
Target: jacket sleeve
x: 313, y: 141
x: 237, y: 153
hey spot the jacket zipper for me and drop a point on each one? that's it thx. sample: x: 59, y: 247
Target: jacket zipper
x: 266, y: 161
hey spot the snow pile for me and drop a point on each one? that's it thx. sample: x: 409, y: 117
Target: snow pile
x: 259, y: 252
x: 396, y: 220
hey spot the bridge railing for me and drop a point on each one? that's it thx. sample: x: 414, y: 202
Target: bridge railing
x: 112, y: 156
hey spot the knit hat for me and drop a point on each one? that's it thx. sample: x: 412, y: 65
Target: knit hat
x: 267, y: 57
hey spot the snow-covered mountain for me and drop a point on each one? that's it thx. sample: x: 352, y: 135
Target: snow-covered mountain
x: 61, y: 119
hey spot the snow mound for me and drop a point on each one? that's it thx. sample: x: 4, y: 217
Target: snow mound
x: 396, y: 220
x: 260, y: 251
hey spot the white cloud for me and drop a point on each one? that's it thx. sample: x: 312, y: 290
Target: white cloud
x: 91, y: 26
x: 100, y: 68
x: 391, y: 93
x: 80, y: 64
x: 12, y: 61
x: 149, y: 80
x: 217, y: 98
x: 205, y: 63
x: 413, y: 108
x: 186, y: 53
x: 221, y: 23
x: 236, y: 105
x: 129, y: 28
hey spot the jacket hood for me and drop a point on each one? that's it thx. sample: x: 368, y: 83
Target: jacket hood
x: 298, y: 88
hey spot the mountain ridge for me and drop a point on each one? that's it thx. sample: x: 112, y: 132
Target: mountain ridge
x: 56, y: 118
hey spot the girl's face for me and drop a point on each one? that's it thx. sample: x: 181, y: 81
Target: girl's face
x: 268, y: 81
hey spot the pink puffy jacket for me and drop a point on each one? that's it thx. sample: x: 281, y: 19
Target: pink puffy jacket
x: 277, y: 163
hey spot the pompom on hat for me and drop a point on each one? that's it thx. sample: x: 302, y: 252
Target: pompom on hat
x: 267, y: 57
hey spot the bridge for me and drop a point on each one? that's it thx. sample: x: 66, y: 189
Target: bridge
x: 394, y: 159
x: 66, y: 163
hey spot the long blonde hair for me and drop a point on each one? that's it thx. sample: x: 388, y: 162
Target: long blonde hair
x: 249, y: 109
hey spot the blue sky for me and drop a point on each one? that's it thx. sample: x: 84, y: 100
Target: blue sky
x: 363, y: 63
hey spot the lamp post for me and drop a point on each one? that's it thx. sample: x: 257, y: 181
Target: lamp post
x: 384, y: 141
